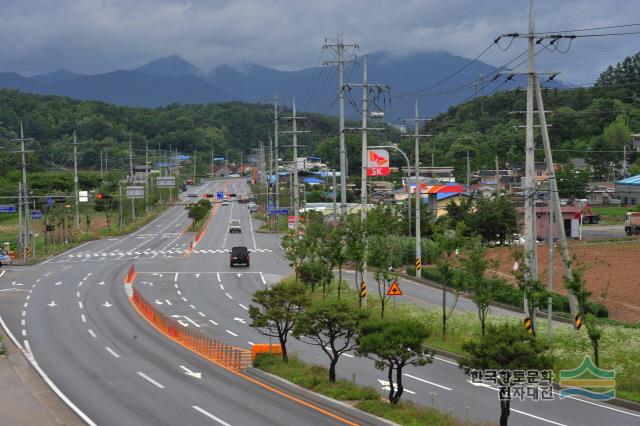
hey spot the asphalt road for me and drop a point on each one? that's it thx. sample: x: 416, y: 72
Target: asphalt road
x: 84, y: 335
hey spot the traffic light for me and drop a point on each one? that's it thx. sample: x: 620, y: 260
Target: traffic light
x: 99, y: 196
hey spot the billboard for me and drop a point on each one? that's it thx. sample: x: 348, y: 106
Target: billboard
x: 378, y: 162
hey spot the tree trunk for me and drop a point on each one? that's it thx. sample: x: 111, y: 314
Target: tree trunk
x: 483, y: 325
x: 444, y: 309
x: 356, y: 276
x: 339, y: 279
x: 392, y: 388
x: 505, y: 410
x: 596, y: 351
x: 283, y: 345
x: 400, y: 387
x: 332, y: 369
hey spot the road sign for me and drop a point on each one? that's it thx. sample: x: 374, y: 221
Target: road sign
x: 278, y: 211
x: 528, y: 325
x: 83, y: 196
x: 418, y: 264
x: 394, y: 290
x: 166, y: 181
x: 292, y: 222
x: 49, y: 201
x: 7, y: 208
x: 219, y: 195
x: 135, y: 192
x: 218, y: 158
x: 36, y: 214
x: 378, y: 164
x: 363, y: 289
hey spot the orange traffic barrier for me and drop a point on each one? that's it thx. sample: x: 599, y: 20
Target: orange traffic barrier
x: 260, y: 348
x: 234, y: 358
x: 131, y: 275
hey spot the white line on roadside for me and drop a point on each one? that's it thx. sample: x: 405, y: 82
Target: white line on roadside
x: 229, y: 296
x: 428, y: 382
x: 446, y: 360
x: 92, y: 333
x: 538, y: 418
x: 149, y: 379
x: 112, y: 352
x: 262, y: 278
x: 231, y: 333
x: 348, y: 355
x: 211, y: 416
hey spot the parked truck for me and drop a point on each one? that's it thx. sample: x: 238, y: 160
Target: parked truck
x: 632, y: 223
x: 589, y: 217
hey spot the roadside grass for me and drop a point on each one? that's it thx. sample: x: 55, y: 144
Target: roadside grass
x: 619, y: 346
x: 316, y: 379
x: 611, y: 214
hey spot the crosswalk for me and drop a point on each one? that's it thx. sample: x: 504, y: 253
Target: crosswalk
x: 176, y: 251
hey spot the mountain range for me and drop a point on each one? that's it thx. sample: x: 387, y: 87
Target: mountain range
x: 174, y: 80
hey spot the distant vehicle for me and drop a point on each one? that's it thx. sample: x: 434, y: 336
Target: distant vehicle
x: 225, y: 201
x: 243, y: 199
x: 239, y: 256
x: 253, y: 207
x: 5, y: 259
x: 589, y: 217
x: 192, y: 195
x: 183, y: 187
x: 632, y: 223
x: 234, y: 175
x: 235, y: 226
x: 209, y: 195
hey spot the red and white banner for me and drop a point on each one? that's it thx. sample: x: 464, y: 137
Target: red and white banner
x: 378, y: 164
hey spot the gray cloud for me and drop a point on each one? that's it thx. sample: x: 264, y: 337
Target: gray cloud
x: 92, y: 36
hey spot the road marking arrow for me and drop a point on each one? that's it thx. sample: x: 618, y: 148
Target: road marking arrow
x: 107, y: 304
x: 158, y: 302
x: 238, y: 275
x: 191, y: 373
x: 52, y: 304
x: 239, y: 320
x: 186, y: 318
x: 101, y: 283
x: 386, y: 386
x: 16, y: 284
x: 58, y: 283
x: 197, y: 275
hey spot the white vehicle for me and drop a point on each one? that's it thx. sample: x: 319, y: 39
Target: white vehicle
x: 253, y: 207
x: 235, y: 226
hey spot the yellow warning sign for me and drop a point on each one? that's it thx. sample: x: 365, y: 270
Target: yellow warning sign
x: 394, y: 290
x: 418, y: 264
x: 578, y: 321
x: 363, y: 289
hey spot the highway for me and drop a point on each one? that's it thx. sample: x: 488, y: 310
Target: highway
x: 72, y: 315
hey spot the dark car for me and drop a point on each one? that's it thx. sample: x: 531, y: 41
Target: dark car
x: 239, y: 256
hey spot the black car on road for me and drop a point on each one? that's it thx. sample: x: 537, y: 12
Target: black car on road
x: 239, y: 256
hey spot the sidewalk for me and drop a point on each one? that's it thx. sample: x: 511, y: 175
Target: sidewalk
x: 26, y: 398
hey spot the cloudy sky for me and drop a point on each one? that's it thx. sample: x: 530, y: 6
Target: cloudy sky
x: 93, y: 36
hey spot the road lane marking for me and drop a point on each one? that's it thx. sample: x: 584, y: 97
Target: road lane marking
x: 83, y: 318
x: 92, y: 333
x: 175, y: 285
x: 231, y: 333
x: 179, y: 292
x: 26, y: 304
x: 80, y: 305
x: 175, y: 279
x: 538, y: 418
x: 192, y: 307
x: 2, y: 273
x: 23, y: 322
x: 47, y: 274
x: 112, y: 352
x: 211, y: 416
x: 38, y: 280
x: 213, y: 322
x: 243, y: 307
x: 262, y: 278
x: 28, y: 297
x: 428, y: 382
x: 24, y: 313
x: 251, y: 343
x: 446, y: 360
x: 150, y: 380
x: 221, y: 287
x: 78, y: 294
x: 348, y: 355
x: 201, y: 314
x: 229, y: 296
x: 185, y: 299
x: 218, y: 275
x: 24, y: 332
x: 168, y: 302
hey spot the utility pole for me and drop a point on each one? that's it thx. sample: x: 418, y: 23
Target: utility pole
x: 24, y: 195
x: 133, y: 201
x: 468, y: 172
x: 275, y: 141
x: 101, y: 175
x: 20, y: 229
x: 334, y: 195
x: 416, y: 135
x: 497, y: 176
x: 339, y: 48
x: 296, y: 190
x: 550, y: 268
x: 146, y: 173
x: 76, y: 196
x: 195, y: 157
x: 212, y: 160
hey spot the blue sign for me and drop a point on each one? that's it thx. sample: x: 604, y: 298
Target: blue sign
x: 219, y: 195
x: 279, y: 211
x: 7, y: 208
x: 49, y: 201
x: 36, y: 214
x: 218, y: 158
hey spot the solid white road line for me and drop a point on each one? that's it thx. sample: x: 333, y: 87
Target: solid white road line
x: 112, y: 352
x: 537, y: 418
x: 149, y: 379
x: 231, y: 333
x: 211, y: 416
x: 2, y: 273
x: 262, y: 278
x: 428, y: 382
x: 446, y: 360
x: 92, y: 333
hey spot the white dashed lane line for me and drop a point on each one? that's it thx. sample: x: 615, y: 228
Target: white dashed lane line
x: 231, y: 333
x: 92, y: 333
x: 112, y: 352
x: 229, y: 296
x: 150, y: 380
x: 211, y: 416
x: 243, y: 307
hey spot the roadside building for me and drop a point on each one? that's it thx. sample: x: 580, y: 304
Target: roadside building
x: 628, y: 191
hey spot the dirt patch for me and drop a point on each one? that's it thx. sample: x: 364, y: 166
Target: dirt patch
x: 612, y: 266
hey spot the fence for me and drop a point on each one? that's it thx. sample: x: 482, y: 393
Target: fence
x: 229, y: 356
